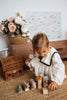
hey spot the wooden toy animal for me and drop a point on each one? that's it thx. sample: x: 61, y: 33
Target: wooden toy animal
x: 19, y: 89
x: 32, y: 83
x: 25, y: 86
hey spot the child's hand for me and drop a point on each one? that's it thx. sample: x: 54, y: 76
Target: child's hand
x: 27, y: 61
x: 52, y: 86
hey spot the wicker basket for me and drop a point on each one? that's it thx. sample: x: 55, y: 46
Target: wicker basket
x: 18, y: 39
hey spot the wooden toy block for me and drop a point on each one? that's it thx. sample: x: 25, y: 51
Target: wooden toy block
x: 41, y: 75
x: 25, y: 86
x: 26, y: 89
x: 45, y: 81
x: 37, y: 78
x: 45, y: 91
x: 32, y: 84
x: 39, y: 82
x: 45, y: 84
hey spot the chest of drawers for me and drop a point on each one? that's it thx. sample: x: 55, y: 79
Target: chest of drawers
x: 25, y: 49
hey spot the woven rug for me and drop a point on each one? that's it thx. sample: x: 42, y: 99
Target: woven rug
x: 8, y: 89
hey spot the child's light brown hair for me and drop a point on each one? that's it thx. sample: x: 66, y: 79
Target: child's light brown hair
x: 40, y: 40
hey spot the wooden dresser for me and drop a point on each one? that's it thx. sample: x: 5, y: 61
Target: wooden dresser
x: 26, y: 49
x: 61, y: 47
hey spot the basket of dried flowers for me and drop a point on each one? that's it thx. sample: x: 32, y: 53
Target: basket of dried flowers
x: 16, y: 29
x: 18, y: 39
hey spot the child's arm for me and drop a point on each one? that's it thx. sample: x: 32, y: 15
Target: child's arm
x: 57, y: 70
x: 27, y: 61
x: 30, y: 62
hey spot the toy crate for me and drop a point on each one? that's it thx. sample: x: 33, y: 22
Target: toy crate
x: 11, y: 67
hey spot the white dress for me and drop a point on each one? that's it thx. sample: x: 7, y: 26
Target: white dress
x: 56, y: 71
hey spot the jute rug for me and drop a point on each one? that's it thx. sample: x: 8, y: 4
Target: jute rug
x: 8, y: 89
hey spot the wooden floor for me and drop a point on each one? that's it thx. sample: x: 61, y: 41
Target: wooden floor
x: 8, y: 89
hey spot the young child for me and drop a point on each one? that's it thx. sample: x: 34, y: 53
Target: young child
x: 46, y: 60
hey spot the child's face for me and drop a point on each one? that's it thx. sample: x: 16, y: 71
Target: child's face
x: 43, y: 51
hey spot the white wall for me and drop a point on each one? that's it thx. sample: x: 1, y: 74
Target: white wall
x: 9, y: 8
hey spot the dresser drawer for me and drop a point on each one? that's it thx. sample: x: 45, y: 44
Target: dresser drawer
x: 23, y: 49
x: 62, y: 52
x: 26, y: 49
